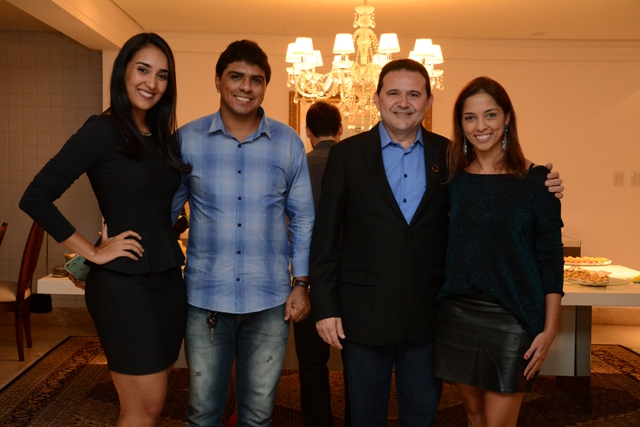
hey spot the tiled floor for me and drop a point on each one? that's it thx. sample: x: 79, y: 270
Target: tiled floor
x: 46, y: 337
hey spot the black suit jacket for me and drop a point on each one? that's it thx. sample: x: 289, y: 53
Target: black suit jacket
x: 383, y: 277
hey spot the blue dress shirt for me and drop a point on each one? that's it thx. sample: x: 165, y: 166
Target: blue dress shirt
x: 405, y: 171
x: 240, y: 195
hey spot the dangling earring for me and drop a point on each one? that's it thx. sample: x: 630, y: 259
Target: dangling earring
x: 505, y: 141
x: 464, y: 145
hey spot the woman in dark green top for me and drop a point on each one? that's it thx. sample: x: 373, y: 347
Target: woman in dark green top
x: 500, y: 303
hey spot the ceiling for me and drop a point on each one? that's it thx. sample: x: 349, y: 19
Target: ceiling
x: 486, y: 19
x: 14, y: 19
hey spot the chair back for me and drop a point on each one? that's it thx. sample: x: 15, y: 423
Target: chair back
x: 3, y: 230
x: 29, y: 260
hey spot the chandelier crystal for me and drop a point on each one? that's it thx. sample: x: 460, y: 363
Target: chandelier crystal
x: 354, y: 81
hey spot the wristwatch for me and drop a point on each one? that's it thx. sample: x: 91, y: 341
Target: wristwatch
x: 305, y: 285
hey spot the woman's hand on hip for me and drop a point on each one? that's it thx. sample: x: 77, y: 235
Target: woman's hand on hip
x: 125, y: 244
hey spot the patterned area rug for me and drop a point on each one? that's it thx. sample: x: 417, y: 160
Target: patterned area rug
x: 70, y: 386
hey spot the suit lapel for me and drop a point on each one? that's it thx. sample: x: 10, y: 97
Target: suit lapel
x: 373, y: 155
x: 431, y: 168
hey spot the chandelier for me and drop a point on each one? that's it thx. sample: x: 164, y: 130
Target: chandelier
x: 354, y: 81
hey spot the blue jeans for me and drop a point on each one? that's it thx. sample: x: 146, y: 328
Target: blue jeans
x: 257, y: 342
x: 369, y: 368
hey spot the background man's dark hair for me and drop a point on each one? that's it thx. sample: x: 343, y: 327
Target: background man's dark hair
x: 323, y: 119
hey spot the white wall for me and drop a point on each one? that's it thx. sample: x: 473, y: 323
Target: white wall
x: 577, y: 105
x: 49, y: 86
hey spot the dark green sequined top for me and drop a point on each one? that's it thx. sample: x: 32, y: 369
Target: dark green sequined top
x: 505, y: 242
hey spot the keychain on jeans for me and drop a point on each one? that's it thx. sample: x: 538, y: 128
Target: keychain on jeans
x: 212, y: 321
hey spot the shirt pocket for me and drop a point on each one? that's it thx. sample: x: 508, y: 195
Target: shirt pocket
x: 270, y: 186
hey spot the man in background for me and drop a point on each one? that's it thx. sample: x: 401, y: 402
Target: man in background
x: 324, y: 128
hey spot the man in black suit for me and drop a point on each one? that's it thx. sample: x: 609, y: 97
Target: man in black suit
x: 378, y: 252
x: 324, y: 128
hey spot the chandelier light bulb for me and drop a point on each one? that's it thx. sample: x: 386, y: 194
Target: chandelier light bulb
x: 343, y: 44
x: 317, y: 58
x: 291, y: 58
x: 437, y: 54
x: 389, y: 43
x: 422, y: 46
x: 303, y: 46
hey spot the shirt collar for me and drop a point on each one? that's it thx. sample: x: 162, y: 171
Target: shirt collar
x: 263, y: 128
x: 385, y: 139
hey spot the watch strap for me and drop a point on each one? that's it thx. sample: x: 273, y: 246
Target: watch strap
x: 302, y: 283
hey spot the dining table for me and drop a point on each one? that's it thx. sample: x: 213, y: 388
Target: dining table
x: 569, y: 357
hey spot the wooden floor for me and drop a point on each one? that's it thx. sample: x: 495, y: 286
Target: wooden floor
x: 44, y: 339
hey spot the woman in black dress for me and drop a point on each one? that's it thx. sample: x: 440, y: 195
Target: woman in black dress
x: 500, y: 303
x: 135, y: 291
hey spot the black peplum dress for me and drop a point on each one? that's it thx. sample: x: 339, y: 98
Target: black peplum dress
x: 139, y: 307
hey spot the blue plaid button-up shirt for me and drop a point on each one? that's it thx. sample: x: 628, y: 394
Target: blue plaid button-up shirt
x: 240, y: 194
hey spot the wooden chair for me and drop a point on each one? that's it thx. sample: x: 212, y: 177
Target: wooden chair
x: 14, y: 296
x: 3, y: 230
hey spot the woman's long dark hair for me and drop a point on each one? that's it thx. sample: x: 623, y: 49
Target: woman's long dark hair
x: 161, y: 118
x: 513, y: 161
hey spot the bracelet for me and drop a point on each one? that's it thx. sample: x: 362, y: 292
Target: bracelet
x: 302, y: 283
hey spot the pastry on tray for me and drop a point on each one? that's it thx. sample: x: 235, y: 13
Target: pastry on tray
x: 586, y: 260
x: 581, y: 275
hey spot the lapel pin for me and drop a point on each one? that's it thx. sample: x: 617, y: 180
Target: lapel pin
x: 434, y: 168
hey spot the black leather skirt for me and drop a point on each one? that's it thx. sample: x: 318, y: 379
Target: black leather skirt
x: 479, y: 343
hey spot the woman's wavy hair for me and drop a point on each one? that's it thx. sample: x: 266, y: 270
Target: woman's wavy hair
x: 161, y: 118
x: 513, y: 161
